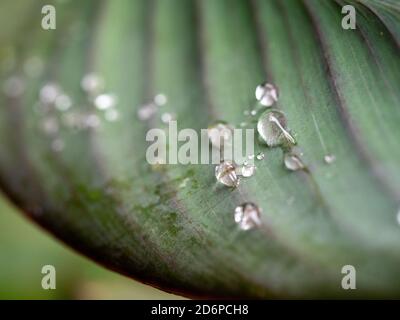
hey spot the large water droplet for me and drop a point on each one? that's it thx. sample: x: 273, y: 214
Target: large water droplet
x: 220, y: 133
x: 105, y: 101
x: 266, y: 94
x: 225, y: 173
x: 247, y: 216
x: 292, y: 162
x: 272, y: 129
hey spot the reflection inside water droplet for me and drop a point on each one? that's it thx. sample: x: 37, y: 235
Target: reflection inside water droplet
x: 271, y: 127
x: 247, y: 216
x: 292, y: 162
x: 226, y: 174
x: 260, y: 156
x: 266, y: 94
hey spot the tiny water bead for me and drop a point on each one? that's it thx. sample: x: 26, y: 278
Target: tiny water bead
x: 260, y: 156
x: 329, y: 158
x: 247, y: 170
x: 105, y: 101
x: 272, y: 129
x: 292, y: 162
x: 247, y: 216
x: 220, y: 133
x: 266, y: 94
x: 92, y: 121
x: 225, y: 173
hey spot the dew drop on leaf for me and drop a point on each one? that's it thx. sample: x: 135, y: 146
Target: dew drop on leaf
x: 292, y: 162
x: 272, y: 129
x: 266, y: 94
x: 247, y: 170
x: 247, y: 216
x: 260, y: 156
x: 225, y: 173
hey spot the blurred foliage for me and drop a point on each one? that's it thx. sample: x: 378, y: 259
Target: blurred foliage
x: 25, y: 249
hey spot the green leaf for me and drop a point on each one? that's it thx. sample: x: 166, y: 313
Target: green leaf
x: 171, y: 226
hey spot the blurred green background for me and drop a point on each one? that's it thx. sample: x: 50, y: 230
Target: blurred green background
x: 25, y: 249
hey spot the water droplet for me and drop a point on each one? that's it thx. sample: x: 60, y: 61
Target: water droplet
x: 57, y: 145
x: 33, y: 67
x: 147, y: 111
x: 225, y: 173
x: 111, y: 115
x: 247, y: 216
x: 247, y: 170
x: 266, y: 94
x: 271, y: 127
x: 251, y: 157
x: 292, y: 162
x: 49, y: 93
x: 220, y: 133
x: 260, y: 156
x: 160, y: 99
x: 329, y: 158
x: 167, y: 117
x: 92, y: 83
x: 63, y: 102
x: 92, y: 121
x: 14, y: 87
x: 253, y: 112
x: 105, y: 101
